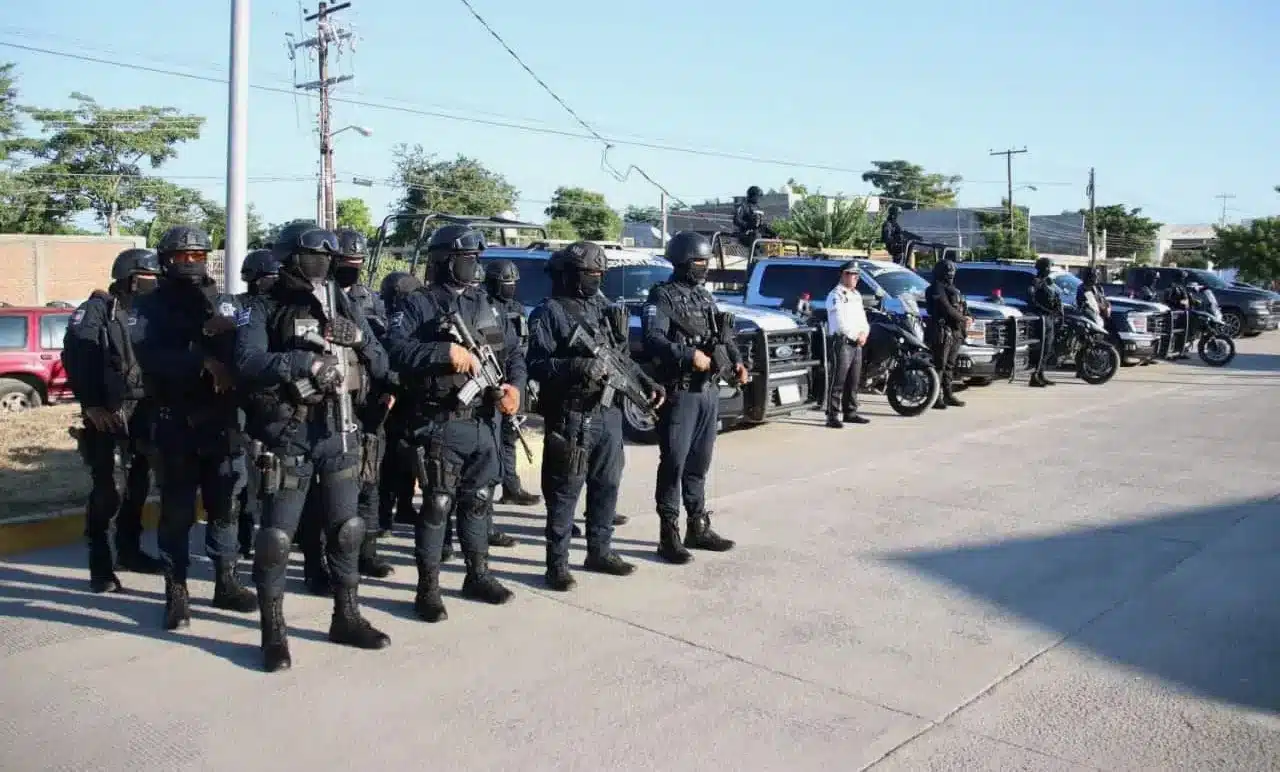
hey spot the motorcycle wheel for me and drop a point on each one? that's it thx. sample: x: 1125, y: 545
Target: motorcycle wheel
x: 1097, y: 363
x: 1216, y: 350
x: 913, y: 388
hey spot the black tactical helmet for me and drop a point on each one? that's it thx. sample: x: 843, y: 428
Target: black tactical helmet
x: 501, y: 271
x: 894, y: 210
x: 184, y: 238
x: 944, y: 270
x: 352, y: 244
x: 302, y: 237
x: 1087, y: 275
x: 454, y: 251
x: 582, y: 256
x: 1043, y: 264
x: 132, y: 262
x: 754, y: 193
x: 686, y: 247
x: 1181, y: 276
x: 398, y: 283
x: 257, y: 264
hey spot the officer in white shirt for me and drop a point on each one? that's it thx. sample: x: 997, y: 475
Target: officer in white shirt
x: 847, y: 330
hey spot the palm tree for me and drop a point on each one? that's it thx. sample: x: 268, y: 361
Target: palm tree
x: 844, y: 224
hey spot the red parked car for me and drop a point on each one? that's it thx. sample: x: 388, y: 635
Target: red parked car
x: 31, y: 372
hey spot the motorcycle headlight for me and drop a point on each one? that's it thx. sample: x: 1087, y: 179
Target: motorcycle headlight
x: 977, y: 332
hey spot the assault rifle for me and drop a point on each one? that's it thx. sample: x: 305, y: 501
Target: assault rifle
x: 617, y: 377
x: 488, y: 382
x: 313, y: 340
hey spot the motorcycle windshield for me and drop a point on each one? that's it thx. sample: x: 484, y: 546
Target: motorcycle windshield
x: 909, y: 304
x: 1210, y: 301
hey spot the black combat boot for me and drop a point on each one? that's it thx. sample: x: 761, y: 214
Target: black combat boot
x: 499, y: 539
x: 949, y: 395
x: 669, y: 547
x: 480, y: 584
x: 227, y: 592
x: 275, y: 635
x: 701, y: 537
x: 519, y: 497
x: 558, y: 577
x: 427, y: 603
x: 370, y: 562
x: 177, y: 604
x: 607, y: 562
x: 131, y: 557
x: 349, y: 628
x: 102, y: 576
x: 834, y: 422
x: 621, y: 519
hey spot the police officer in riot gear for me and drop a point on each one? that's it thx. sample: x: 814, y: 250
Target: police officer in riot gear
x: 584, y: 441
x: 748, y: 219
x: 184, y: 338
x: 895, y: 237
x: 103, y: 372
x: 1047, y: 304
x: 1090, y: 291
x: 500, y: 279
x: 259, y: 272
x: 453, y: 435
x: 945, y: 328
x: 678, y: 316
x: 395, y: 483
x: 296, y: 410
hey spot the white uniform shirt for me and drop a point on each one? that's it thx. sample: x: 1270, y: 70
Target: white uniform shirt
x: 845, y: 313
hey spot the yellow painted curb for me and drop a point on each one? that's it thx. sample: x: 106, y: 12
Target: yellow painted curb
x: 58, y: 529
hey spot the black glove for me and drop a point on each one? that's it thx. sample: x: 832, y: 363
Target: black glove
x: 588, y: 368
x: 326, y: 375
x: 344, y: 332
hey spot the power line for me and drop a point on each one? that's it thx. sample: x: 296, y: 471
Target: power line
x: 1225, y: 197
x: 639, y: 143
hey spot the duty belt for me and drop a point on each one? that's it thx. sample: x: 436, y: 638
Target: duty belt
x: 584, y: 404
x: 437, y: 414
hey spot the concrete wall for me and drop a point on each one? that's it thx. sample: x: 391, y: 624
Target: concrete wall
x: 37, y: 269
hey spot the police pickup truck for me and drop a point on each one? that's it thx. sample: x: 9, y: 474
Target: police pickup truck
x: 782, y: 355
x: 792, y: 281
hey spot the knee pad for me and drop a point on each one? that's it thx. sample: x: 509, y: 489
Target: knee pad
x: 438, y: 507
x: 273, y: 545
x: 351, y: 534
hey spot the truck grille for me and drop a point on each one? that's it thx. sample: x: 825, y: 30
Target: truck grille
x: 1000, y: 331
x: 1158, y: 324
x: 790, y: 346
x: 1275, y: 308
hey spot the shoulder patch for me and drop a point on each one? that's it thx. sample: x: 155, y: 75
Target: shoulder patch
x: 397, y: 319
x: 650, y: 311
x: 77, y: 317
x: 225, y: 308
x: 244, y: 317
x: 133, y: 318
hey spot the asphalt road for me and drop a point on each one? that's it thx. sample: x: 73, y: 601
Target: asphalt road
x: 1073, y: 578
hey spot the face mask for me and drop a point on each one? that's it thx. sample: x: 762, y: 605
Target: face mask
x: 346, y: 275
x: 187, y: 273
x: 143, y: 284
x: 313, y: 266
x: 507, y: 291
x: 588, y: 285
x: 696, y: 272
x: 262, y: 286
x: 463, y: 269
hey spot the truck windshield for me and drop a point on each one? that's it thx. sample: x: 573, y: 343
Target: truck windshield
x: 1207, y: 278
x: 897, y: 283
x: 632, y: 282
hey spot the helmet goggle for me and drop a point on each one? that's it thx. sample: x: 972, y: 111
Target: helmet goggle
x: 471, y: 241
x: 319, y: 241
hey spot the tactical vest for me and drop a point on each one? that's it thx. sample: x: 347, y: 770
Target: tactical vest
x: 123, y: 378
x: 689, y: 308
x: 439, y: 392
x: 608, y: 324
x: 515, y: 316
x: 285, y: 327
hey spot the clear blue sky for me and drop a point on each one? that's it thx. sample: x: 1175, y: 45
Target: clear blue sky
x: 1172, y: 101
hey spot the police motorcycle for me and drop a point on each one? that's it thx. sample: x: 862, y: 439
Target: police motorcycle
x: 1215, y: 346
x: 1083, y: 340
x: 895, y: 360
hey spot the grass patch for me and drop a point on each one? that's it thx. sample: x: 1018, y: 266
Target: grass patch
x: 40, y: 469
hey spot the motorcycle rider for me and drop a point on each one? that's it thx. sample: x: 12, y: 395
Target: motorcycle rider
x: 1178, y: 298
x: 183, y: 333
x: 1047, y: 304
x: 294, y: 411
x: 676, y: 315
x: 103, y: 373
x: 1089, y: 294
x: 945, y: 329
x: 748, y: 219
x: 455, y: 442
x: 895, y: 237
x: 584, y: 444
x: 259, y: 272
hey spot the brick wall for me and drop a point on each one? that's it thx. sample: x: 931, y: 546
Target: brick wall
x: 36, y: 269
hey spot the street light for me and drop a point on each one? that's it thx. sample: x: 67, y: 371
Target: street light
x: 325, y: 204
x: 361, y: 129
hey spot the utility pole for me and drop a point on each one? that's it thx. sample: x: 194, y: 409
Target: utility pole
x: 1225, y: 197
x: 237, y: 150
x: 1093, y: 224
x: 327, y: 34
x: 662, y: 203
x: 1008, y: 158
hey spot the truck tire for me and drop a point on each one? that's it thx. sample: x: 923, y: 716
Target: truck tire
x: 17, y: 395
x: 638, y: 427
x: 1234, y: 320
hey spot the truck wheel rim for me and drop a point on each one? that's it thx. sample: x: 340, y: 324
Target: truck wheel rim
x: 15, y: 402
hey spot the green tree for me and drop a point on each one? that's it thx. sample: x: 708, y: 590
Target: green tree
x: 463, y: 186
x: 1186, y: 258
x: 588, y: 211
x: 560, y: 228
x: 23, y: 206
x: 844, y: 224
x: 1128, y: 231
x: 1253, y: 250
x: 355, y: 214
x: 1000, y: 242
x: 649, y: 214
x: 92, y: 156
x: 907, y: 182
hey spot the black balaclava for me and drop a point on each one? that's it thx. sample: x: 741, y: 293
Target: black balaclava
x: 346, y: 274
x: 585, y: 284
x: 693, y: 272
x: 460, y: 269
x: 189, y: 274
x: 507, y: 290
x: 1089, y: 277
x: 944, y: 272
x: 313, y: 266
x: 141, y: 284
x: 1042, y: 267
x: 263, y: 285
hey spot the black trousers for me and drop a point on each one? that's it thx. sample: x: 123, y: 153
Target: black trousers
x: 687, y: 426
x: 581, y: 449
x: 105, y: 503
x: 844, y: 375
x: 945, y: 344
x: 1048, y: 344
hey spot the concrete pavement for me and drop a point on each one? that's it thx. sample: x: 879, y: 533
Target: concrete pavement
x: 1073, y: 578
